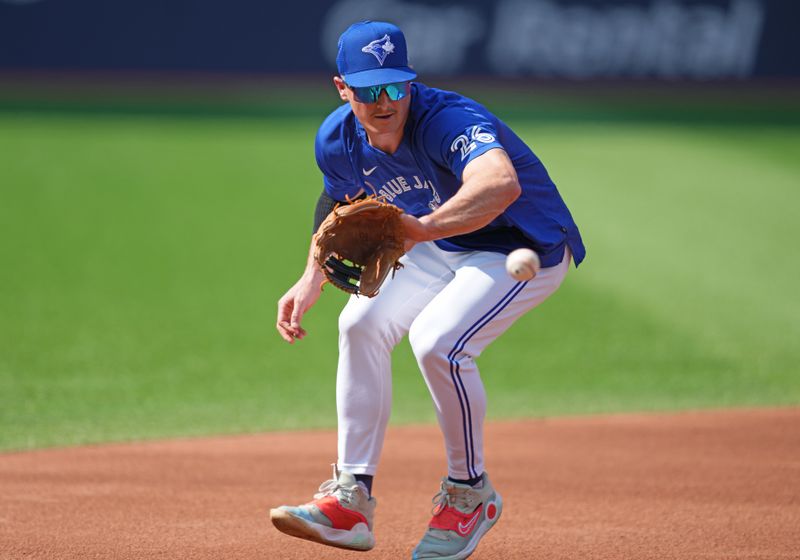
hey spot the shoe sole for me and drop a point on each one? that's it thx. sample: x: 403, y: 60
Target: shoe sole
x: 360, y: 538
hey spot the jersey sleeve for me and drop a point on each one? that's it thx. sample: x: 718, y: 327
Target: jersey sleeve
x: 458, y: 134
x: 334, y: 162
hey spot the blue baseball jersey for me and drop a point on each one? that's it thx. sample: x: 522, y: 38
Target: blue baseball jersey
x: 444, y: 132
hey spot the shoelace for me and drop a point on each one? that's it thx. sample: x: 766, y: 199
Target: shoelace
x: 453, y: 497
x: 332, y: 486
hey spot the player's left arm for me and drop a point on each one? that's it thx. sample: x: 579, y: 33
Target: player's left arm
x: 490, y: 185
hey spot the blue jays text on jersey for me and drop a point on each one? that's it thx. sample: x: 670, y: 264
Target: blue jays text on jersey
x: 444, y: 132
x: 399, y: 185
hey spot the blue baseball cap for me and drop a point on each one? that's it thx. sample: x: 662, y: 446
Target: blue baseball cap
x: 372, y: 53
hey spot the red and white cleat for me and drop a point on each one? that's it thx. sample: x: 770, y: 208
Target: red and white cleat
x: 462, y: 515
x: 340, y: 515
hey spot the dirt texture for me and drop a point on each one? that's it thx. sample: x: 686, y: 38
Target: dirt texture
x: 704, y: 485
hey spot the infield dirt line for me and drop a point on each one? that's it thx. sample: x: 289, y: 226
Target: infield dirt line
x: 704, y: 485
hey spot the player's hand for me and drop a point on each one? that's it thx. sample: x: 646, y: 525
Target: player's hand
x: 415, y: 231
x: 293, y: 305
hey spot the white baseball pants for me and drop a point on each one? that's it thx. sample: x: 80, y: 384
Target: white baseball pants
x: 451, y: 305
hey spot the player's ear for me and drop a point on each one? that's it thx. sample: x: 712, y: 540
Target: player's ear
x: 341, y: 87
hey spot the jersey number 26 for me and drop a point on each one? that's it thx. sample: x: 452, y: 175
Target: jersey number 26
x: 466, y: 144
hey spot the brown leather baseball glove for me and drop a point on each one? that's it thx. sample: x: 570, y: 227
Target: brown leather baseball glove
x: 358, y: 244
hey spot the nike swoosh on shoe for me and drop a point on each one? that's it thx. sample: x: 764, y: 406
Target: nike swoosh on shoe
x: 465, y: 529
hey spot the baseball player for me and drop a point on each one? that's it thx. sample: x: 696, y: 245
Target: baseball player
x: 471, y: 192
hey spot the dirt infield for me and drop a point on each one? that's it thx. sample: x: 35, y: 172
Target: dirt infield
x: 693, y: 485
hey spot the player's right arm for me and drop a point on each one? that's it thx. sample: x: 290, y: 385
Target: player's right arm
x: 299, y: 299
x: 339, y: 184
x: 306, y: 291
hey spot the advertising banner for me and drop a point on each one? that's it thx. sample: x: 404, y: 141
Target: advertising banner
x: 570, y: 39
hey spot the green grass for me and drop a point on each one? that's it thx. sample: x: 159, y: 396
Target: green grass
x: 141, y: 259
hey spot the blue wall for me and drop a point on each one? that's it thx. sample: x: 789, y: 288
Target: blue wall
x: 575, y: 39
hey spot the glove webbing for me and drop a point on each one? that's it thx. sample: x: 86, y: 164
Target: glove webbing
x: 345, y: 276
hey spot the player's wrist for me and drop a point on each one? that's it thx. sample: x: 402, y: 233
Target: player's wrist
x: 418, y: 229
x: 314, y: 277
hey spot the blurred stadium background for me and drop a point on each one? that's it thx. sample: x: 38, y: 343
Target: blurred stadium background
x: 157, y: 182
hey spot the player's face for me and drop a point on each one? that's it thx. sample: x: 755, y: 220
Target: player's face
x: 382, y: 115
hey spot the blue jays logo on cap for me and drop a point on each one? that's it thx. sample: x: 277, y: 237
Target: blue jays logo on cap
x: 381, y: 48
x: 373, y: 53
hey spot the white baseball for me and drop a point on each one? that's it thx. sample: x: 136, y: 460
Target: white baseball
x: 522, y: 264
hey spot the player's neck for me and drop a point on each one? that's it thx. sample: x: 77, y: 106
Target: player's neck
x: 387, y: 142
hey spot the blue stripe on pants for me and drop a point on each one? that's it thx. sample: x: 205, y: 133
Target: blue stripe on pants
x: 455, y: 375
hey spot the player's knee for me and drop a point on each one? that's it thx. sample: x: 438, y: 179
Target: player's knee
x: 351, y: 325
x: 429, y: 347
x: 360, y: 324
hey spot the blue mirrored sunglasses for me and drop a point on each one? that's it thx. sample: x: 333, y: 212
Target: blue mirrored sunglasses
x: 370, y: 94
